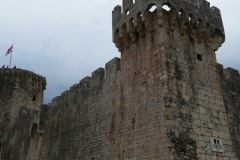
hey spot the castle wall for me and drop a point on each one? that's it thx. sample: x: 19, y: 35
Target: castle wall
x: 166, y: 98
x: 230, y: 82
x: 117, y: 116
x: 165, y: 102
x: 81, y: 122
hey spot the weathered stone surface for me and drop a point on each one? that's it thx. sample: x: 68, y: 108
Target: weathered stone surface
x: 230, y: 82
x: 166, y: 98
x: 21, y: 95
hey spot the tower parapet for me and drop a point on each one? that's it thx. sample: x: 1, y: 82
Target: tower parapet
x: 18, y: 78
x: 194, y: 16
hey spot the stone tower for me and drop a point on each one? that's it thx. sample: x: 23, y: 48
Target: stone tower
x: 172, y: 88
x: 20, y: 88
x: 21, y: 95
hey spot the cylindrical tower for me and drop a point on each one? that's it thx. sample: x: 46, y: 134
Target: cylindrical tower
x: 19, y: 88
x: 21, y: 95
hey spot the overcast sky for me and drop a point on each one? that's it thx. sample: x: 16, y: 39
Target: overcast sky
x: 66, y: 40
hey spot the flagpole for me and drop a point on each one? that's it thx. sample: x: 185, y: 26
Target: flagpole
x: 10, y: 60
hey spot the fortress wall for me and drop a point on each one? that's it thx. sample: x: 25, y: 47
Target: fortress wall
x: 117, y: 113
x: 230, y: 82
x: 78, y: 121
x: 165, y: 99
x: 164, y: 102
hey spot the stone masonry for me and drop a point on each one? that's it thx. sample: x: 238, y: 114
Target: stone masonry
x: 21, y: 95
x: 166, y: 98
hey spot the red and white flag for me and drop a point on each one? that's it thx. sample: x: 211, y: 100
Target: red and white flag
x: 9, y: 50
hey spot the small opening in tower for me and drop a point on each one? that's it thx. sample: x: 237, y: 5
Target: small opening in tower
x: 152, y: 9
x: 133, y: 1
x: 200, y: 22
x: 181, y: 12
x: 189, y: 18
x: 199, y: 57
x: 127, y: 12
x: 34, y: 130
x: 116, y: 33
x: 33, y: 98
x: 166, y: 7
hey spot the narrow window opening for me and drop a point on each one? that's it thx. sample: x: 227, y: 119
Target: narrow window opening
x: 133, y: 122
x: 166, y: 7
x: 33, y: 98
x: 133, y: 1
x: 127, y: 12
x: 215, y: 141
x: 152, y: 9
x: 181, y: 11
x: 34, y: 130
x: 117, y: 32
x: 191, y: 17
x: 199, y: 57
x: 199, y: 20
x: 124, y: 27
x: 131, y: 21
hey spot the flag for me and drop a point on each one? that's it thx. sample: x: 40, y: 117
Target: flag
x: 9, y: 50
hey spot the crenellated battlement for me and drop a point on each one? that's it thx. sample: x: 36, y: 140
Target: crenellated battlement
x: 99, y: 76
x: 196, y: 16
x: 113, y: 66
x: 85, y: 83
x: 22, y: 78
x: 166, y: 98
x: 228, y: 73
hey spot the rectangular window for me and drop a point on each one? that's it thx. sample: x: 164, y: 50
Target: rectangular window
x: 199, y: 57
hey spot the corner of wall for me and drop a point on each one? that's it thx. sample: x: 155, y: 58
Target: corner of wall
x: 113, y: 66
